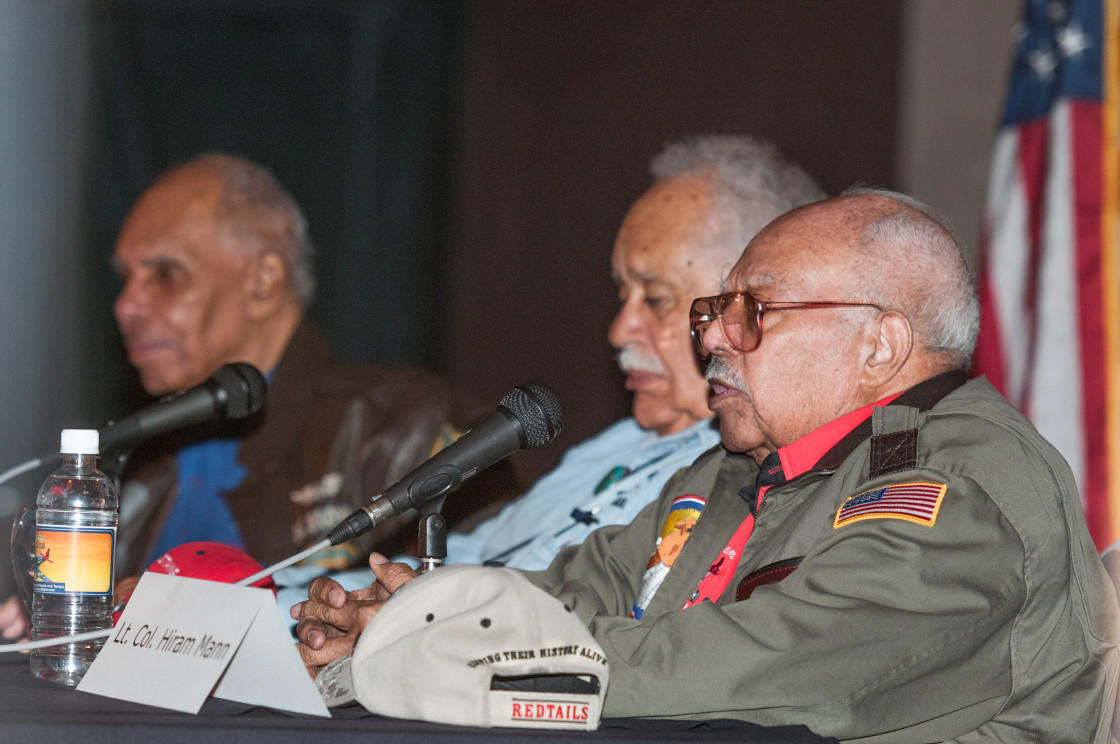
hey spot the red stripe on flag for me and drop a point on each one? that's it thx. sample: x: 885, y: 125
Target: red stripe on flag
x: 989, y: 357
x: 1034, y: 166
x: 1085, y: 120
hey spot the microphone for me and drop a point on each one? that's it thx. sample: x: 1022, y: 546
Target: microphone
x: 530, y: 415
x: 234, y: 391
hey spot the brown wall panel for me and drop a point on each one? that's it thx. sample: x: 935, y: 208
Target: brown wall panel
x: 563, y: 105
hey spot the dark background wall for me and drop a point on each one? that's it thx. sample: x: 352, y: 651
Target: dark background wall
x: 464, y: 165
x: 351, y: 104
x: 562, y: 106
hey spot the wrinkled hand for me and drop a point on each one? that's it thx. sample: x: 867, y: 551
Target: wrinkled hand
x: 331, y: 619
x: 14, y: 621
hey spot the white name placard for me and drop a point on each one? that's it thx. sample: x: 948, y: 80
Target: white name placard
x: 179, y: 640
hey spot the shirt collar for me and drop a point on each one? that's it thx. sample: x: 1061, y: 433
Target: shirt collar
x: 827, y: 447
x: 801, y: 456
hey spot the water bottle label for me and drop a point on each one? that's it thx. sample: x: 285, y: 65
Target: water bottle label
x: 75, y: 560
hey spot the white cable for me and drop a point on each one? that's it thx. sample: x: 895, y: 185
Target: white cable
x: 95, y: 634
x: 89, y: 635
x: 284, y: 563
x: 7, y: 475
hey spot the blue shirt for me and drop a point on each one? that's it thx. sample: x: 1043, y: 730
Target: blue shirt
x: 206, y: 470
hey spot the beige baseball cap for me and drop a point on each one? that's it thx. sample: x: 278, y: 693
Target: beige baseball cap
x: 474, y: 646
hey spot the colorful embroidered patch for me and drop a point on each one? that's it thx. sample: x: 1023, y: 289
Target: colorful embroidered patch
x: 683, y: 513
x: 914, y: 502
x: 689, y: 501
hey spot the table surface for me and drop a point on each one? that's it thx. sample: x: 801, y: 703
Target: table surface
x: 33, y: 710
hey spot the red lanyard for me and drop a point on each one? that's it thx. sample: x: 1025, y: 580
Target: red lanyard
x: 719, y: 574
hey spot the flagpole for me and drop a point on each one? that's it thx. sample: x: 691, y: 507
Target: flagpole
x: 1110, y: 249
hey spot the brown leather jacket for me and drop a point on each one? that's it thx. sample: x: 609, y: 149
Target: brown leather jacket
x: 330, y: 438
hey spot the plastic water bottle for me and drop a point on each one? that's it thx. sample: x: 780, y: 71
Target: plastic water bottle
x: 75, y: 549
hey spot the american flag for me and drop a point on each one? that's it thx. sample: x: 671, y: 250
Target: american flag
x: 914, y: 502
x: 1050, y: 328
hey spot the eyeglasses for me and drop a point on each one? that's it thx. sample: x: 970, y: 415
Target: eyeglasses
x: 740, y: 317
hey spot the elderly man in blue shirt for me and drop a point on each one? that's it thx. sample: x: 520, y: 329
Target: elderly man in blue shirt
x: 710, y: 196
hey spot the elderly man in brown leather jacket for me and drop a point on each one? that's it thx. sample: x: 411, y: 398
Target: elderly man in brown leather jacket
x: 882, y: 550
x: 215, y: 261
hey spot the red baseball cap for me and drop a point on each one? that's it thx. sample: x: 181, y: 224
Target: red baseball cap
x: 205, y: 560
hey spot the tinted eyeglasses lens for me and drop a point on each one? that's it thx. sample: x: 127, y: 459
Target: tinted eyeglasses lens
x: 732, y: 313
x: 699, y: 318
x: 736, y: 325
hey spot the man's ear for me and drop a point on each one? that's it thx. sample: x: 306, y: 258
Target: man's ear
x: 268, y: 285
x: 890, y: 342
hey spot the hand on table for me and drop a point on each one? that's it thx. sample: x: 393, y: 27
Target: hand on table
x: 14, y: 621
x: 331, y: 619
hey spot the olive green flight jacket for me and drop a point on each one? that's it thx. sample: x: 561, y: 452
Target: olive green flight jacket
x: 994, y: 621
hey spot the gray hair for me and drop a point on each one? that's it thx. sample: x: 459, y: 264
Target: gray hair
x: 921, y: 245
x: 262, y: 216
x: 753, y: 182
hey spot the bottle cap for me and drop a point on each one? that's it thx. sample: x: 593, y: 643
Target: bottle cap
x: 80, y: 442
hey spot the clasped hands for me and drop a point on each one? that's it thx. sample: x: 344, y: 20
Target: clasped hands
x: 331, y: 618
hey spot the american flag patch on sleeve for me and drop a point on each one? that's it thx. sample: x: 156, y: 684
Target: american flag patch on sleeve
x: 914, y: 502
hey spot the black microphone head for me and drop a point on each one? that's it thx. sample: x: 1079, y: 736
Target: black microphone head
x: 240, y: 390
x: 538, y: 410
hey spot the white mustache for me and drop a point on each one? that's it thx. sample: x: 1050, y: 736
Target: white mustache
x: 721, y: 368
x: 630, y: 359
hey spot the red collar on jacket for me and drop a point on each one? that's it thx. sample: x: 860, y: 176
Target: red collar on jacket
x: 804, y: 454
